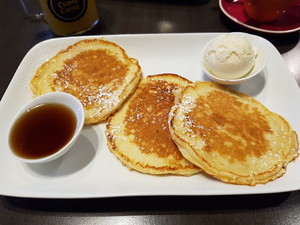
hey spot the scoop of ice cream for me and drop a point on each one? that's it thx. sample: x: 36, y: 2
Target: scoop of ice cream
x: 230, y: 56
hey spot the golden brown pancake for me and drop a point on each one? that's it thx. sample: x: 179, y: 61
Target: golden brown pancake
x: 230, y: 135
x: 98, y: 72
x: 138, y: 133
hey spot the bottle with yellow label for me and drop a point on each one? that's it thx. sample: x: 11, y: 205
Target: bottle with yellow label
x: 67, y: 17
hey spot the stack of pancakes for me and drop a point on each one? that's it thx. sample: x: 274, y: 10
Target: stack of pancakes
x: 230, y: 135
x: 166, y: 124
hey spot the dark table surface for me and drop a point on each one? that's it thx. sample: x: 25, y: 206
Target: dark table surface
x: 18, y: 35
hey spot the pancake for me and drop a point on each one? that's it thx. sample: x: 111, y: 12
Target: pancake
x: 230, y: 135
x: 138, y: 133
x: 98, y: 72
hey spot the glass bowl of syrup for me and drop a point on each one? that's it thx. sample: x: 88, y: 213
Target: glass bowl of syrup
x: 46, y: 127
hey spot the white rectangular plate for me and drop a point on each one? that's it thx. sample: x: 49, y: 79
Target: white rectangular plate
x: 90, y: 170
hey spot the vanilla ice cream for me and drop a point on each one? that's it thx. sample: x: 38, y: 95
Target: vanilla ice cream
x: 230, y: 56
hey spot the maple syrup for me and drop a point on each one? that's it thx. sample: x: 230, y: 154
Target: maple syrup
x: 42, y: 131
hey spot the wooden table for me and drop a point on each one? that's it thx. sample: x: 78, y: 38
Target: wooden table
x: 131, y: 17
